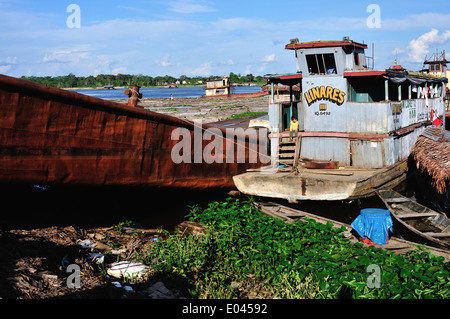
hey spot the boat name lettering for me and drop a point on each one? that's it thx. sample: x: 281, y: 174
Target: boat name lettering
x: 326, y: 93
x: 322, y: 113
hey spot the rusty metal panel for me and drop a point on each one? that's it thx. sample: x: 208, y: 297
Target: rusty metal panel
x: 326, y: 148
x: 436, y: 134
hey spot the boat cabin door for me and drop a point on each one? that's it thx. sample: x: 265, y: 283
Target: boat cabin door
x: 287, y: 111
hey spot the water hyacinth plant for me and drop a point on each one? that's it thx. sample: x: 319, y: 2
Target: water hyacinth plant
x: 246, y: 254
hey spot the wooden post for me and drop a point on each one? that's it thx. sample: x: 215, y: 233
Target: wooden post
x: 271, y: 91
x: 386, y: 89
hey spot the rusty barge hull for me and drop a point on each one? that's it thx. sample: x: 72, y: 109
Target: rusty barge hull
x: 53, y: 136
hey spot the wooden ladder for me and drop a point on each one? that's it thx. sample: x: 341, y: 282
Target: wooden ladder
x: 289, y: 151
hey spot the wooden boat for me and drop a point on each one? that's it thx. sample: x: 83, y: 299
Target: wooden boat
x: 366, y: 120
x: 290, y: 215
x: 53, y: 136
x: 421, y: 220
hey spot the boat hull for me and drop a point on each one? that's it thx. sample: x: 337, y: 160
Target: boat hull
x: 53, y: 136
x: 431, y: 226
x: 316, y: 184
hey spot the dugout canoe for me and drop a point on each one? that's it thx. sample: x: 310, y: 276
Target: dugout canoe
x: 430, y: 225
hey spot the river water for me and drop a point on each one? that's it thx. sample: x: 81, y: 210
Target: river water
x: 181, y: 92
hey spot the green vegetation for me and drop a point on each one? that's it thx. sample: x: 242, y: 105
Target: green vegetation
x: 246, y: 114
x: 72, y: 81
x: 247, y: 254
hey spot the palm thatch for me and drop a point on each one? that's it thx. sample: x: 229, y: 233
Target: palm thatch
x: 433, y: 156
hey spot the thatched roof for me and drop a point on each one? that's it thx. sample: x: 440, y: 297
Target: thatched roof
x: 432, y: 154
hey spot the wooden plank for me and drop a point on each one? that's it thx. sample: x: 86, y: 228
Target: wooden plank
x: 292, y: 212
x: 331, y: 172
x: 298, y: 143
x: 274, y: 213
x: 398, y: 200
x: 440, y: 235
x: 408, y: 210
x: 415, y: 215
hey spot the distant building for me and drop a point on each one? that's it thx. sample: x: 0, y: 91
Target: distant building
x: 218, y: 87
x: 436, y: 65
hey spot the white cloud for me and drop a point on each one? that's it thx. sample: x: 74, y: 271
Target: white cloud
x: 416, y: 21
x: 237, y: 24
x: 228, y: 62
x: 189, y: 6
x: 165, y: 61
x: 8, y: 64
x: 66, y: 56
x: 270, y: 58
x: 9, y: 61
x: 398, y: 51
x: 266, y: 60
x: 121, y: 70
x: 204, y: 69
x: 418, y: 49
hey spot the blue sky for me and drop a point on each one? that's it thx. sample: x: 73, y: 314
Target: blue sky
x: 204, y: 37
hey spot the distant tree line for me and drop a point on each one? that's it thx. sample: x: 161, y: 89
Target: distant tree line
x: 72, y: 81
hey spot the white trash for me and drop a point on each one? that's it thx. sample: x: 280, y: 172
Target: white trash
x: 128, y: 288
x: 127, y: 269
x: 86, y: 243
x: 116, y: 284
x: 97, y: 257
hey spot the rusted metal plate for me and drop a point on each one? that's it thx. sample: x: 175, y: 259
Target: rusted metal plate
x: 48, y: 135
x: 437, y: 134
x: 319, y: 164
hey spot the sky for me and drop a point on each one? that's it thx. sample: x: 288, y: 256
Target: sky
x: 205, y: 37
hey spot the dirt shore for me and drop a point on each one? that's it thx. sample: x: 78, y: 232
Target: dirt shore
x: 206, y: 109
x: 36, y: 264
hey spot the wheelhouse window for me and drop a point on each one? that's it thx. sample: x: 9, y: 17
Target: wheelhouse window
x: 321, y: 63
x: 435, y: 68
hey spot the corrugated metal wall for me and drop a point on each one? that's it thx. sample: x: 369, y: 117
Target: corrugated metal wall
x: 377, y: 118
x: 367, y: 154
x: 361, y: 153
x: 326, y: 148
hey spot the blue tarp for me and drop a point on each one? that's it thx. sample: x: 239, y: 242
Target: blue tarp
x: 373, y: 223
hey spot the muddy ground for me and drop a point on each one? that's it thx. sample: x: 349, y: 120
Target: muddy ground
x: 37, y: 245
x: 35, y: 264
x: 206, y: 109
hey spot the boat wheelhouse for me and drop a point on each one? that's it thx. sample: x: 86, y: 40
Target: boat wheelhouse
x: 218, y: 87
x: 365, y: 120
